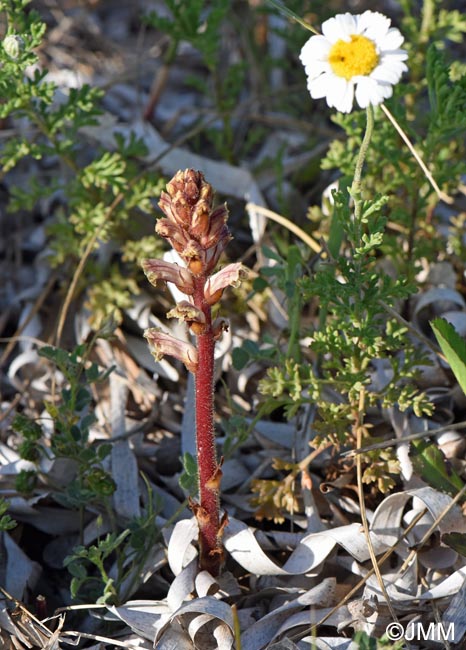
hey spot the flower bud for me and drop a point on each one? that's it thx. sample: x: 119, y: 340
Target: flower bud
x: 13, y: 45
x: 197, y: 232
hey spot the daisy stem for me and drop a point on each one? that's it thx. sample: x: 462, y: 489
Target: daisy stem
x: 356, y: 184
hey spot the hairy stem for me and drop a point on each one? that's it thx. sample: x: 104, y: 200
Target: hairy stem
x: 209, y: 519
x: 357, y: 179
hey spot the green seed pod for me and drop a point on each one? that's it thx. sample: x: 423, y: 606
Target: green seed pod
x: 13, y: 45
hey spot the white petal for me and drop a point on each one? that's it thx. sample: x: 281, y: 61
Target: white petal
x: 317, y: 47
x: 391, y: 41
x: 394, y: 55
x: 385, y: 76
x: 373, y: 24
x: 386, y: 90
x: 319, y: 87
x: 368, y: 91
x: 340, y: 95
x: 317, y: 68
x: 339, y: 28
x: 388, y: 71
x: 347, y: 23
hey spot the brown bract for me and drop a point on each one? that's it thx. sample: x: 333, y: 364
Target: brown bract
x: 197, y: 232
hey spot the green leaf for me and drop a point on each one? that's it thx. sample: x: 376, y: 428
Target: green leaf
x: 364, y: 642
x: 105, y: 172
x: 109, y: 595
x: 189, y: 478
x: 92, y: 373
x: 6, y: 522
x: 456, y: 541
x: 453, y: 347
x: 103, y: 450
x: 75, y: 587
x: 76, y: 569
x: 339, y: 215
x: 26, y: 427
x: 432, y: 466
x: 188, y: 483
x: 240, y: 358
x: 259, y: 284
x: 190, y: 465
x: 83, y: 398
x: 58, y: 356
x: 271, y: 254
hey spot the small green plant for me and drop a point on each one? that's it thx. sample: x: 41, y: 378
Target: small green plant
x: 354, y: 361
x: 199, y: 234
x: 201, y: 26
x: 72, y: 418
x: 6, y: 522
x: 106, y: 199
x: 275, y: 497
x: 353, y: 334
x: 79, y: 562
x: 366, y: 642
x: 89, y: 483
x: 110, y: 570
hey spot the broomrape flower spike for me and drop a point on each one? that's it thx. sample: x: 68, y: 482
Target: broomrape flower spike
x: 199, y: 234
x: 356, y: 56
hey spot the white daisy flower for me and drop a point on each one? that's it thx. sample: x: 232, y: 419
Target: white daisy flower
x: 355, y: 56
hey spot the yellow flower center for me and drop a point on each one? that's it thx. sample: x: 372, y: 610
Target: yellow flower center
x: 358, y: 57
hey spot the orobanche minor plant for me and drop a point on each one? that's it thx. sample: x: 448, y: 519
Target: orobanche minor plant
x: 199, y: 234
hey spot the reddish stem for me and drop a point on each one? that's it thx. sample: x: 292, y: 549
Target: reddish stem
x: 208, y: 511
